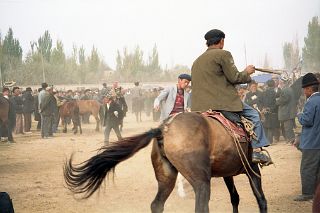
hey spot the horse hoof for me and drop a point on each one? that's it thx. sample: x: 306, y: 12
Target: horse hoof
x: 64, y: 131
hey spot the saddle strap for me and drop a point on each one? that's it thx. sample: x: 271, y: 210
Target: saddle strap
x: 248, y: 126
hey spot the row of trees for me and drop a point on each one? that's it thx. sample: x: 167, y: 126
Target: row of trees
x: 48, y: 62
x: 310, y: 54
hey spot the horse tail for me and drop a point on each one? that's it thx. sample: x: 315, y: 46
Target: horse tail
x: 87, y: 176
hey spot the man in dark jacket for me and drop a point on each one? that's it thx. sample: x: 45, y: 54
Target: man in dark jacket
x: 113, y: 114
x: 269, y: 110
x: 286, y: 110
x: 37, y: 116
x: 28, y: 108
x: 253, y: 97
x: 18, y: 106
x: 47, y: 107
x: 310, y: 138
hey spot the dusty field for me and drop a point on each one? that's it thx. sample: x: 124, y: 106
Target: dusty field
x: 31, y: 171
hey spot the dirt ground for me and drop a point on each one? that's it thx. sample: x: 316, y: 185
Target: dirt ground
x: 31, y: 172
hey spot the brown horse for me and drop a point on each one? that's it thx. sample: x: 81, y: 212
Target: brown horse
x: 92, y: 107
x: 70, y: 110
x: 196, y: 146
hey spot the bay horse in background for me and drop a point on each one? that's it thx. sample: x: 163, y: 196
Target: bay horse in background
x: 70, y: 110
x: 196, y: 146
x: 92, y: 107
x: 4, y: 117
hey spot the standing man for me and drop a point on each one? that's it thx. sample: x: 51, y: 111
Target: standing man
x: 118, y: 94
x: 175, y: 98
x: 310, y: 138
x: 214, y: 80
x: 6, y: 131
x: 37, y: 116
x: 47, y: 109
x: 28, y: 108
x: 287, y: 110
x: 18, y: 106
x: 137, y: 101
x: 113, y: 113
x: 270, y: 110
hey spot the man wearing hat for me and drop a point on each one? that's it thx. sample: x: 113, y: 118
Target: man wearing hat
x: 214, y: 80
x: 175, y: 98
x: 310, y: 138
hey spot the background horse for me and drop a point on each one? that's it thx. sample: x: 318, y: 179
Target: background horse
x: 4, y: 116
x: 70, y: 110
x: 92, y: 107
x: 196, y: 146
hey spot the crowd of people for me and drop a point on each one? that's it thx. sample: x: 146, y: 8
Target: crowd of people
x: 42, y: 105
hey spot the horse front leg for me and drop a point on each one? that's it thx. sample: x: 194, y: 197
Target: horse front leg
x: 255, y: 183
x: 97, y: 123
x: 234, y: 196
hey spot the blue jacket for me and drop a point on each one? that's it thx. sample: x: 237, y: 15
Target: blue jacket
x: 310, y: 121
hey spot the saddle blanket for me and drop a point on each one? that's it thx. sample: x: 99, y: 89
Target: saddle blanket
x: 233, y: 129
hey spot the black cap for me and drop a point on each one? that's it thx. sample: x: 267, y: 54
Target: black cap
x: 309, y: 79
x: 214, y: 36
x: 185, y: 76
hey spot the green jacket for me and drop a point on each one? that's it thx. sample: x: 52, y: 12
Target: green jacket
x: 214, y: 76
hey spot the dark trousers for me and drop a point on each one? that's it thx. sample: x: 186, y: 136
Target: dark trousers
x: 56, y: 119
x: 107, y: 131
x: 27, y: 122
x: 270, y: 133
x: 309, y: 170
x: 46, y: 125
x: 287, y: 127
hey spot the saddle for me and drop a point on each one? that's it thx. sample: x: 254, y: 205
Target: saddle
x: 234, y: 124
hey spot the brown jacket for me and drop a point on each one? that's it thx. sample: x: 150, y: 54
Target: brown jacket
x: 214, y: 77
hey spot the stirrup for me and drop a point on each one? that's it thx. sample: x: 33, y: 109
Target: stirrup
x: 269, y: 157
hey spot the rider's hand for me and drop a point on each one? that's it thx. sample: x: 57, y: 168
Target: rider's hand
x: 250, y: 69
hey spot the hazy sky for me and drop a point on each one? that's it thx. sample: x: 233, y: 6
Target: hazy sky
x: 176, y: 26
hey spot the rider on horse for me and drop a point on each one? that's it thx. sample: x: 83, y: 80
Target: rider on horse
x: 214, y: 77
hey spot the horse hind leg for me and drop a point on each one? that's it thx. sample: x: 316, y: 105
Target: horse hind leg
x: 255, y: 183
x: 166, y: 176
x: 233, y: 193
